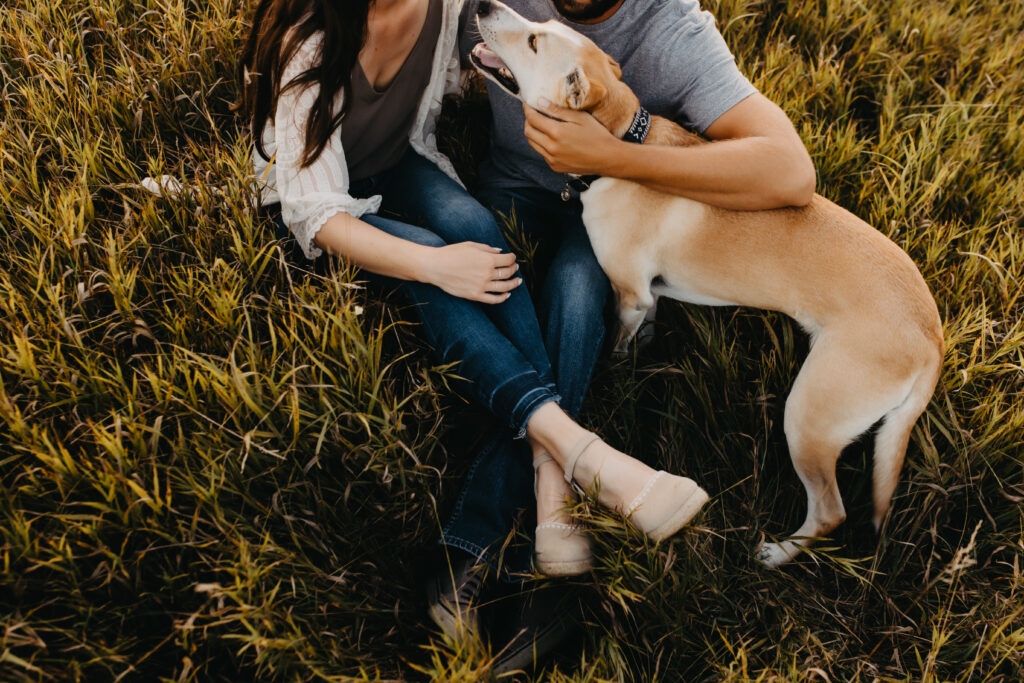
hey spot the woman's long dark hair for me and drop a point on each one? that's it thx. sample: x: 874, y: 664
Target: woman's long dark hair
x: 272, y: 43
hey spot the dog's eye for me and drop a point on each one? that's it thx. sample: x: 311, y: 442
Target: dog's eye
x: 532, y: 41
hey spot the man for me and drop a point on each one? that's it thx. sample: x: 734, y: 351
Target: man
x: 676, y: 61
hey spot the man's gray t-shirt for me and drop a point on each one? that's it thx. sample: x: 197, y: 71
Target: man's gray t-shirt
x: 671, y: 54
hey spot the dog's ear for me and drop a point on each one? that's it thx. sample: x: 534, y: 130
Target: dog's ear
x: 576, y: 86
x: 580, y: 92
x: 616, y: 69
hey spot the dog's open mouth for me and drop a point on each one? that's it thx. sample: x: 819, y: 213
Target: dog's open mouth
x: 490, y: 64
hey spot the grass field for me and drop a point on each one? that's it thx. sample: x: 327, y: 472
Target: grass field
x: 216, y: 466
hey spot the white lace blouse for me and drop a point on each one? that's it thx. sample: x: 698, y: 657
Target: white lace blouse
x: 310, y: 196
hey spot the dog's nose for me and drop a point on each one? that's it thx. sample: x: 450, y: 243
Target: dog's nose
x: 484, y: 8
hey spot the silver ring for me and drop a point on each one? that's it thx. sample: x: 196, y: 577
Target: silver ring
x: 499, y: 274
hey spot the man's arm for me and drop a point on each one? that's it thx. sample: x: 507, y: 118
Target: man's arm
x: 757, y: 160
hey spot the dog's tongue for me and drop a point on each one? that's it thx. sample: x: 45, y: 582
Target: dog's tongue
x: 487, y: 56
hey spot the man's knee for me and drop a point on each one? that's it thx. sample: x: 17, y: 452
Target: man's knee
x: 574, y: 301
x: 579, y: 283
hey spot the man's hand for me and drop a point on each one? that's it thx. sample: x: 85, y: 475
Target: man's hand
x: 757, y: 162
x: 570, y: 142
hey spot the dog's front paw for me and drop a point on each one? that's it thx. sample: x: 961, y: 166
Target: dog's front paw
x: 774, y: 554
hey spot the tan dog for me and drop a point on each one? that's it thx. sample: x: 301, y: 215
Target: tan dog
x: 876, y: 336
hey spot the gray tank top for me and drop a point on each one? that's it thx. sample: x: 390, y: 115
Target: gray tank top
x: 375, y: 131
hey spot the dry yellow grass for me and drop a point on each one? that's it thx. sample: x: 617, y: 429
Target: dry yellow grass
x: 215, y: 466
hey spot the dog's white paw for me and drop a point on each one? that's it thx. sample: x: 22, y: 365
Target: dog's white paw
x: 774, y: 554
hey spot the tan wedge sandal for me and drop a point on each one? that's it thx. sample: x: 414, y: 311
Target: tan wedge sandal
x: 561, y: 549
x: 665, y: 504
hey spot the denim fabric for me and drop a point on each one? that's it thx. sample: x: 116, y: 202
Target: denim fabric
x: 498, y: 347
x: 570, y: 308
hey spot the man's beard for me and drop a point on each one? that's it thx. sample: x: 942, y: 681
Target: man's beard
x: 582, y: 10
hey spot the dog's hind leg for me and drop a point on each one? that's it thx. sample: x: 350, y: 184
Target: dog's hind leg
x: 631, y: 281
x: 633, y: 306
x: 894, y: 435
x: 646, y: 333
x: 836, y: 397
x: 814, y: 457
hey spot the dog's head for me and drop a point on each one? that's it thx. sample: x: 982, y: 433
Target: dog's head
x: 533, y: 60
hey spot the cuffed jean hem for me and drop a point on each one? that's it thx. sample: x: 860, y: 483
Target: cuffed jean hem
x: 487, y: 557
x: 481, y: 554
x: 516, y: 566
x: 518, y: 397
x: 528, y: 405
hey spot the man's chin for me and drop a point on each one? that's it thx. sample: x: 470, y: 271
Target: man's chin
x: 584, y: 10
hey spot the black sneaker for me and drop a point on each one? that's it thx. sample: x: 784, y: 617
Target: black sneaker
x: 454, y: 592
x: 530, y: 624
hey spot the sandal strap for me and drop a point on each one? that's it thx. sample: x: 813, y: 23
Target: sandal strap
x: 541, y: 459
x: 576, y: 452
x: 537, y: 462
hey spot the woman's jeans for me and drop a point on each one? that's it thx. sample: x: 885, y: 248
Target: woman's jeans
x: 498, y: 347
x: 570, y: 308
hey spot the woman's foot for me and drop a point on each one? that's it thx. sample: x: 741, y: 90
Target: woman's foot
x: 553, y: 493
x: 662, y: 504
x: 656, y: 502
x: 561, y: 547
x: 617, y: 477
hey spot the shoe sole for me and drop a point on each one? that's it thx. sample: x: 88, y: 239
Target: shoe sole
x: 681, y: 517
x: 444, y: 619
x: 567, y: 554
x: 564, y: 568
x: 447, y: 621
x: 443, y: 616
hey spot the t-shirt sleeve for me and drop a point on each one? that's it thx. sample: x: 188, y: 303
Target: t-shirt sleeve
x: 710, y: 83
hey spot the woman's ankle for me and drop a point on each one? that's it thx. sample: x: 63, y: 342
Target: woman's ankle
x: 537, y: 450
x: 550, y: 429
x: 617, y: 476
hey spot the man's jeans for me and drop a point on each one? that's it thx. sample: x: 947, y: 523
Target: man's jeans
x: 570, y: 308
x: 498, y: 347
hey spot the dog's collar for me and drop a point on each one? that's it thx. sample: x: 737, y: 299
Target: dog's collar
x: 637, y: 133
x: 640, y: 127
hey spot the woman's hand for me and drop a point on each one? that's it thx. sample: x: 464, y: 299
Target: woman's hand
x: 473, y: 271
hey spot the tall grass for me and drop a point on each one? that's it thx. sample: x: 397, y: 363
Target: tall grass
x: 216, y: 465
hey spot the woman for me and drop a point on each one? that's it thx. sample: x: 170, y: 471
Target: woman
x: 342, y: 98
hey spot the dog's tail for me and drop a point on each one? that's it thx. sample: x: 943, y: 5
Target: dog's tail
x: 893, y: 436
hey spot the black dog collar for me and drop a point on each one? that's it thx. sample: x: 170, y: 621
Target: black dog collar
x: 637, y: 133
